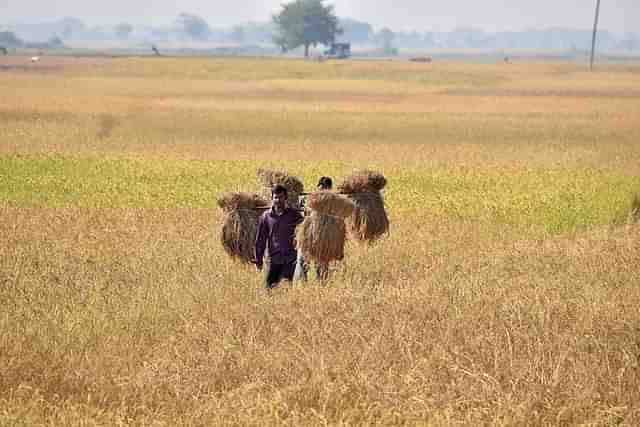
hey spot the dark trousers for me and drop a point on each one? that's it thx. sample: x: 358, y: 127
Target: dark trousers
x: 277, y: 272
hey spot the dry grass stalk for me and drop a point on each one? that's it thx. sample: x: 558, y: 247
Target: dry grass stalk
x: 238, y: 233
x: 269, y: 178
x: 246, y: 341
x: 369, y: 220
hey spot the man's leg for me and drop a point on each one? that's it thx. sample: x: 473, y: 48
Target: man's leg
x: 273, y: 275
x: 301, y: 268
x: 288, y: 270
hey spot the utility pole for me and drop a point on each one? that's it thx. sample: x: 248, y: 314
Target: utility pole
x: 595, y: 31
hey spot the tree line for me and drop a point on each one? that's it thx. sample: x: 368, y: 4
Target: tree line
x: 308, y: 23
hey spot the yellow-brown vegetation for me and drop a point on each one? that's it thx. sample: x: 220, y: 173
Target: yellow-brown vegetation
x: 369, y: 221
x: 507, y: 292
x: 270, y: 178
x: 238, y: 233
x: 323, y: 234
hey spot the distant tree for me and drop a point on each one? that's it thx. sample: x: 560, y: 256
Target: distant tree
x: 305, y: 23
x: 193, y: 25
x: 3, y: 50
x: 8, y: 39
x: 238, y: 34
x: 385, y: 38
x: 124, y: 30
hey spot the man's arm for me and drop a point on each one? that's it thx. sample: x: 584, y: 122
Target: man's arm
x: 261, y: 241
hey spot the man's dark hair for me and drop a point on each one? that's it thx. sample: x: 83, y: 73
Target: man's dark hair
x: 279, y: 189
x: 325, y: 182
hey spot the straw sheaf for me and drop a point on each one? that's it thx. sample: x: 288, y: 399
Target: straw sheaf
x: 238, y: 234
x: 322, y: 238
x: 363, y: 181
x: 369, y: 220
x: 236, y: 201
x: 269, y: 178
x: 327, y: 203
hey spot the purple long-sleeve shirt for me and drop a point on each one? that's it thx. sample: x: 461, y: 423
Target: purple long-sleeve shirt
x: 277, y: 232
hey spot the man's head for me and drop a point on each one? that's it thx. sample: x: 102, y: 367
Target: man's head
x: 325, y: 183
x: 279, y: 196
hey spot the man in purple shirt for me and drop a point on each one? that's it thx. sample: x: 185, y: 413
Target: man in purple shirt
x: 277, y: 231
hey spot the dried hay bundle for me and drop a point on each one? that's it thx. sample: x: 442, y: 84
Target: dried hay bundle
x: 327, y: 203
x: 323, y: 233
x: 635, y: 208
x: 362, y: 182
x: 239, y: 229
x: 369, y: 220
x: 322, y: 238
x: 270, y: 178
x: 237, y: 201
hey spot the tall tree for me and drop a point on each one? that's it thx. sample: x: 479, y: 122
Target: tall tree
x: 305, y: 23
x: 8, y: 39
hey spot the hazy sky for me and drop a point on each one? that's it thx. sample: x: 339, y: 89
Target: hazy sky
x: 491, y: 15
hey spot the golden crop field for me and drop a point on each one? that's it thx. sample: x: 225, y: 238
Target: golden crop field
x: 507, y: 292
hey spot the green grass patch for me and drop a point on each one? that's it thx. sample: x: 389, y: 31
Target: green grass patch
x: 538, y: 200
x: 549, y: 200
x: 57, y: 181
